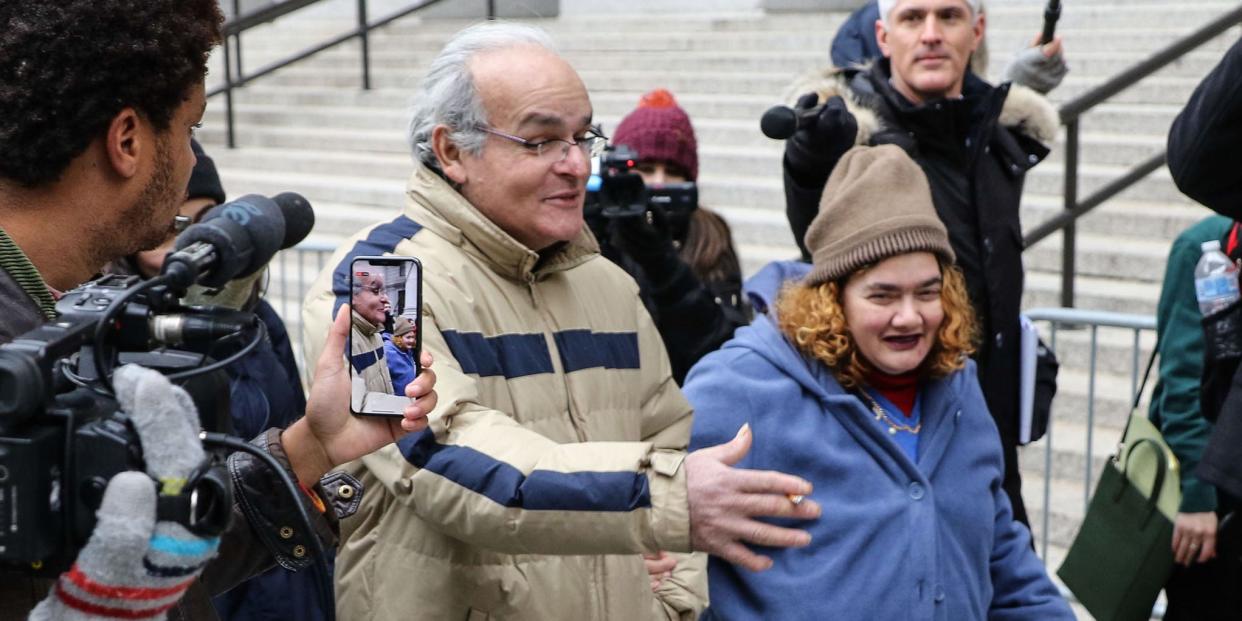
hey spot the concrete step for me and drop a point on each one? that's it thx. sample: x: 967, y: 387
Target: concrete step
x: 1101, y: 62
x: 317, y: 188
x: 814, y: 31
x: 1115, y: 358
x: 1043, y: 289
x: 731, y: 145
x: 1104, y: 256
x: 1169, y: 86
x: 1115, y: 125
x: 1135, y: 219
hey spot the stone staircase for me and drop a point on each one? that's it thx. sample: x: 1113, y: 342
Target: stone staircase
x: 311, y: 129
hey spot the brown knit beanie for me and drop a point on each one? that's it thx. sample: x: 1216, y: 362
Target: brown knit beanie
x: 660, y: 130
x: 877, y: 204
x: 402, y: 325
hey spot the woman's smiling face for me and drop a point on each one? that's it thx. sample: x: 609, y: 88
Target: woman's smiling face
x: 893, y: 311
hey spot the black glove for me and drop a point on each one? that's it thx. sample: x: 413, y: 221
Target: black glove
x: 814, y: 149
x: 646, y: 238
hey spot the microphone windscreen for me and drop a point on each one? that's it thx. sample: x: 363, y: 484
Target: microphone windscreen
x: 255, y: 229
x: 779, y: 122
x: 233, y: 250
x: 299, y: 217
x: 264, y: 225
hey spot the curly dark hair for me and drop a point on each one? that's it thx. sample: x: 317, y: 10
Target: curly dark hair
x: 68, y: 67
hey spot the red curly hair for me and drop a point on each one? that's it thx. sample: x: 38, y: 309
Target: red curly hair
x: 813, y: 318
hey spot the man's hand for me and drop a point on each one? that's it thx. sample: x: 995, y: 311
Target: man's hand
x: 723, y: 501
x: 814, y: 149
x: 1039, y: 67
x: 329, y: 435
x: 660, y: 567
x: 1194, y: 538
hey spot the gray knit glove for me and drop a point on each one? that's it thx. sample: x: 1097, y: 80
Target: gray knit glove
x: 134, y: 566
x: 1032, y: 69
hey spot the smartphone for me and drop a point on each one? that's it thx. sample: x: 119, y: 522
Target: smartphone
x: 385, y: 332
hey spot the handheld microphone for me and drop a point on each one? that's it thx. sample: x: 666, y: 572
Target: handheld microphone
x: 1052, y: 13
x: 781, y: 122
x: 237, y: 239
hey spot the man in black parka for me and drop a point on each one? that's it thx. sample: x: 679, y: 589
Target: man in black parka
x: 974, y: 141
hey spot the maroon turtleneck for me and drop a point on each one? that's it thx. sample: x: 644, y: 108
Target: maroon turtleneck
x: 901, y: 389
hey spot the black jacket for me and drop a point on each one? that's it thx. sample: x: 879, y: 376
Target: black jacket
x: 694, y: 317
x: 1206, y: 139
x: 976, y: 166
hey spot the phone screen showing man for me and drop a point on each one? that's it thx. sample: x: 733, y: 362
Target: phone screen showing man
x: 385, y: 336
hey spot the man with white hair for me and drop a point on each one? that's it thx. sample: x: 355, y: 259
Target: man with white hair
x: 369, y: 308
x: 559, y: 456
x: 974, y: 141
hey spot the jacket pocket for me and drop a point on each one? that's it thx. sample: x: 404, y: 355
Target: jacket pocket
x: 477, y: 615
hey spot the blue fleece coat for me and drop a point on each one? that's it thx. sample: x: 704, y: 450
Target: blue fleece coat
x: 898, y: 539
x: 400, y: 365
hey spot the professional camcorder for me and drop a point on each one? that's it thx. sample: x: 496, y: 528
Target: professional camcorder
x: 617, y: 191
x: 62, y: 436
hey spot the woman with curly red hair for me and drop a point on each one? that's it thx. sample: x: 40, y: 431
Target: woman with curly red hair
x: 859, y: 379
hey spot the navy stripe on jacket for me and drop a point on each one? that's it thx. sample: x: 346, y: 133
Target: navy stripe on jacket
x: 583, y: 349
x: 541, y: 490
x: 364, y: 360
x: 509, y: 355
x: 381, y: 240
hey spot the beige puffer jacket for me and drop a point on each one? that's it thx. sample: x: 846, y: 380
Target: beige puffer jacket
x: 554, y: 457
x: 366, y: 355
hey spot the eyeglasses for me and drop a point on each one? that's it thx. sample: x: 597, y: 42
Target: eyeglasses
x: 557, y: 149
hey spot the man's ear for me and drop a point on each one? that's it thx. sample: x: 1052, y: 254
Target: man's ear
x: 981, y: 27
x: 449, y: 155
x: 123, y: 143
x: 881, y: 38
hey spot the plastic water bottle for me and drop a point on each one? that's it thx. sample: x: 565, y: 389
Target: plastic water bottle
x: 1216, y: 279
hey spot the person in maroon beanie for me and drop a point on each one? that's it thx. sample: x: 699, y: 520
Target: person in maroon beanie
x: 683, y: 260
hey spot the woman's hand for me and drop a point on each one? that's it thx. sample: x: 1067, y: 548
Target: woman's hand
x: 659, y: 568
x: 1194, y: 538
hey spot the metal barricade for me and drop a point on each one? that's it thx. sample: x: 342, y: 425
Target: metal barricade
x: 1079, y: 333
x: 290, y: 275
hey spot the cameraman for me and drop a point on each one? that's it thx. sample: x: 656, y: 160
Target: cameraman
x: 94, y: 160
x: 685, y: 263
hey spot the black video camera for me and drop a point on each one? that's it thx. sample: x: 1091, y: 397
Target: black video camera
x: 617, y: 191
x: 62, y: 436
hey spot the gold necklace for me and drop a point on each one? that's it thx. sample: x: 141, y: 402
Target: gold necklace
x: 882, y: 415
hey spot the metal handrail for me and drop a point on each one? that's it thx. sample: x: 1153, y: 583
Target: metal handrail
x: 236, y: 76
x: 1071, y: 116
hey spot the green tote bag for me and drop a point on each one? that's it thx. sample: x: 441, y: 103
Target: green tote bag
x: 1122, y: 555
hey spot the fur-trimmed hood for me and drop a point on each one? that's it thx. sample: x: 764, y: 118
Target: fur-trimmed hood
x: 1025, y: 110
